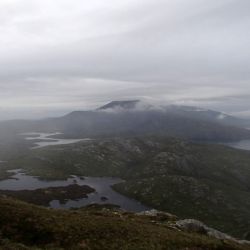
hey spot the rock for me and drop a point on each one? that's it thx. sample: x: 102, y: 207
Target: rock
x: 244, y: 242
x: 103, y: 198
x: 191, y: 225
x: 246, y: 236
x: 159, y: 215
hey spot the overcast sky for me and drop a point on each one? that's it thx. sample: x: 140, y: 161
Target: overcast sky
x: 62, y: 55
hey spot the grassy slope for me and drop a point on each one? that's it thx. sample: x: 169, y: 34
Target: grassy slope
x: 207, y: 182
x: 24, y: 226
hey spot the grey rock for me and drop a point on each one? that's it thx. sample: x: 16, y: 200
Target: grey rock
x: 196, y: 226
x: 156, y: 213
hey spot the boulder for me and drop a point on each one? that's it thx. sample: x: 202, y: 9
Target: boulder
x: 158, y: 215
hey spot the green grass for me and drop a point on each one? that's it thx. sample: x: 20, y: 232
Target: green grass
x: 24, y: 226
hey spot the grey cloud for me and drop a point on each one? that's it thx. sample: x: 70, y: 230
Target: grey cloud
x: 58, y: 56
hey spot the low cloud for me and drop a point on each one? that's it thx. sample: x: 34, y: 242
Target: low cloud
x: 58, y: 56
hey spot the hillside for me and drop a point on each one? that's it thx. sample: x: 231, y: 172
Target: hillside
x: 133, y: 118
x: 206, y: 182
x: 25, y: 226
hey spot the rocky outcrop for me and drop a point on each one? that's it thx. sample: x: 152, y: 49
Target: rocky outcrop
x: 196, y: 226
x: 159, y: 215
x: 189, y: 225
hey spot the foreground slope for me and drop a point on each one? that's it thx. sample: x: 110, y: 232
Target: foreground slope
x: 24, y: 226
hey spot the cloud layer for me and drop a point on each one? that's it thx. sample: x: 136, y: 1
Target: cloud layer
x: 62, y: 55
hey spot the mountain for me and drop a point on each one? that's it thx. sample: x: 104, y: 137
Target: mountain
x: 202, y: 181
x: 134, y: 118
x: 28, y: 227
x: 185, y: 111
x: 208, y: 115
x: 127, y: 105
x: 155, y: 151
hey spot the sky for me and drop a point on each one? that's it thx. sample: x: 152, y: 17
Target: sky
x: 61, y: 55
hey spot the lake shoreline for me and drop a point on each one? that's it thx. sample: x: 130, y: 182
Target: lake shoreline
x: 75, y: 192
x: 41, y: 140
x: 44, y: 196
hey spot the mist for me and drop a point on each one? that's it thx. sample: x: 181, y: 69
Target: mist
x: 59, y: 56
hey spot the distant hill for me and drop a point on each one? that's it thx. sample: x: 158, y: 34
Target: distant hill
x: 185, y: 111
x: 130, y: 118
x: 120, y: 105
x: 136, y: 118
x: 208, y: 115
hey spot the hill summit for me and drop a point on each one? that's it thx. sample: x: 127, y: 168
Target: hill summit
x: 131, y: 104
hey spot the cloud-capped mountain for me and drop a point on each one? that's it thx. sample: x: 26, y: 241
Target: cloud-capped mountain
x: 134, y: 118
x: 180, y: 110
x: 126, y: 105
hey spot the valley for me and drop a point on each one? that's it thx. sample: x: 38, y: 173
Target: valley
x: 204, y: 181
x: 124, y: 125
x: 74, y: 192
x: 165, y: 165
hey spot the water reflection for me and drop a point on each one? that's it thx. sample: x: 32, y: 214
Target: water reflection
x: 104, y: 193
x: 46, y: 139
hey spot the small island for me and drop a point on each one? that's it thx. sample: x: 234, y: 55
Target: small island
x: 44, y: 196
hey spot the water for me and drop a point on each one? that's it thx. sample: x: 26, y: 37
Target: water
x: 46, y: 139
x: 102, y: 185
x: 243, y: 144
